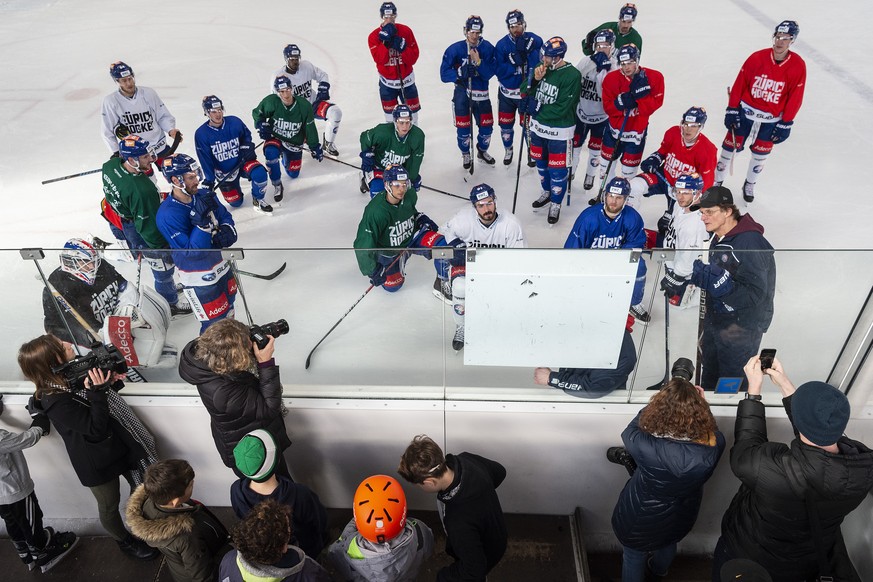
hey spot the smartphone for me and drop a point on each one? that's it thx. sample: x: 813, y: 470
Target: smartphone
x: 766, y: 357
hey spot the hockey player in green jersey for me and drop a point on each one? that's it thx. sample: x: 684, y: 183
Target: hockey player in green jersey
x: 551, y: 102
x: 624, y: 30
x: 286, y: 122
x: 400, y: 143
x: 391, y: 221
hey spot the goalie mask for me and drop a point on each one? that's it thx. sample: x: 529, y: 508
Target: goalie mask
x: 80, y: 259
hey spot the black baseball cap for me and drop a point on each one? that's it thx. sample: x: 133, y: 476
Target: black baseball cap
x: 715, y: 196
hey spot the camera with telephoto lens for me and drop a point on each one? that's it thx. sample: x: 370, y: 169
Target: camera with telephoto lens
x: 103, y: 357
x: 259, y: 333
x: 682, y: 368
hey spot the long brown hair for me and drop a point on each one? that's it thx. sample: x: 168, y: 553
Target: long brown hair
x: 226, y: 347
x: 679, y: 411
x: 36, y: 359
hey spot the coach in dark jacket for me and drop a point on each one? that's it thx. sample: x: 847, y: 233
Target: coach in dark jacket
x: 239, y: 386
x: 676, y: 445
x: 768, y: 520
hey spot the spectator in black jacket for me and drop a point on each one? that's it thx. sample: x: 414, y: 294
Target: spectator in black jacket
x: 239, y: 386
x: 675, y: 444
x: 768, y: 520
x: 466, y: 489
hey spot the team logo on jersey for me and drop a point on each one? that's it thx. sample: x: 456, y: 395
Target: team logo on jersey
x: 138, y: 123
x: 767, y: 89
x: 209, y: 277
x: 547, y: 93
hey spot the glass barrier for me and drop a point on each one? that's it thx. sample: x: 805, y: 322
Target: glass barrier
x: 363, y: 343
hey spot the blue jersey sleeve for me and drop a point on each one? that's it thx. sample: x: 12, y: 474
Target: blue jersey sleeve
x: 488, y: 67
x: 634, y: 233
x: 174, y: 222
x: 204, y: 153
x: 580, y: 236
x: 451, y: 62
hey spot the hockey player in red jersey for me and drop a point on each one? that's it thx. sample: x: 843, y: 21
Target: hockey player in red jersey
x: 764, y: 101
x: 630, y: 96
x: 395, y: 52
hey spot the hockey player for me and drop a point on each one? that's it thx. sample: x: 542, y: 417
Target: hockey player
x: 683, y: 150
x: 685, y: 232
x: 515, y: 55
x: 478, y: 226
x: 302, y: 74
x: 395, y: 52
x: 285, y: 122
x: 391, y: 221
x: 226, y: 152
x: 132, y: 201
x: 194, y: 222
x: 468, y: 64
x: 630, y: 95
x: 624, y: 31
x: 554, y: 93
x: 399, y: 143
x: 380, y: 544
x: 612, y: 224
x: 138, y: 111
x: 764, y: 101
x: 99, y: 304
x: 590, y: 116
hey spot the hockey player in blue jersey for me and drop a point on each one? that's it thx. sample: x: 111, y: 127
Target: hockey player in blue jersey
x: 469, y: 64
x: 193, y: 221
x: 226, y: 153
x: 611, y: 224
x: 515, y: 55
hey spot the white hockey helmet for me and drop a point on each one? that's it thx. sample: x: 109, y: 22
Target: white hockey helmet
x: 80, y: 259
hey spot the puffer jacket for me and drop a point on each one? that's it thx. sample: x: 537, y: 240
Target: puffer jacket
x: 235, y: 568
x: 357, y: 559
x: 191, y: 538
x: 238, y: 403
x: 767, y: 520
x: 659, y: 504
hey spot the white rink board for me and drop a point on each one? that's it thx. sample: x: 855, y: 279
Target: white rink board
x: 531, y: 307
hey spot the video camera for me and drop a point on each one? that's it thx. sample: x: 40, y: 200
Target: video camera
x: 682, y: 368
x: 259, y: 333
x: 103, y: 357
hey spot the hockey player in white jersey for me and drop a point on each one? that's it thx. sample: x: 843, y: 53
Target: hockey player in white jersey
x: 302, y: 74
x: 686, y: 233
x: 479, y: 225
x: 133, y: 110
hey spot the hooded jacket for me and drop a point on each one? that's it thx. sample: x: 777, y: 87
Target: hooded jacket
x: 238, y: 403
x: 15, y: 481
x: 190, y: 537
x: 767, y: 520
x: 235, y: 568
x: 357, y: 559
x: 659, y: 504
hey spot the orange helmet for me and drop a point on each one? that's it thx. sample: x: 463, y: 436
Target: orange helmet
x: 380, y: 508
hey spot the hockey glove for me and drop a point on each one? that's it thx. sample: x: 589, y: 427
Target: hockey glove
x: 378, y: 276
x: 601, y: 61
x: 664, y: 222
x: 317, y: 152
x: 625, y: 101
x: 224, y: 237
x: 398, y: 43
x: 733, y: 118
x: 588, y: 43
x: 533, y: 106
x: 200, y: 212
x: 639, y: 85
x: 467, y: 71
x: 368, y: 161
x: 387, y: 34
x: 423, y: 222
x: 38, y: 416
x: 417, y: 183
x: 652, y: 163
x: 460, y: 255
x: 265, y: 130
x: 208, y: 184
x: 712, y: 278
x: 515, y: 59
x: 782, y: 131
x: 674, y: 286
x: 247, y: 152
x: 323, y: 93
x: 524, y: 45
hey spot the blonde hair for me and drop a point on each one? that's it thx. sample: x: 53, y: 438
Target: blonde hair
x: 226, y: 347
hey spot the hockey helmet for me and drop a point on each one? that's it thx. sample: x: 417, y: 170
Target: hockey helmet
x: 628, y: 12
x: 474, y: 24
x: 120, y: 70
x: 380, y: 508
x: 282, y: 82
x: 394, y: 173
x: 134, y: 147
x: 481, y: 192
x: 788, y: 27
x: 618, y: 186
x: 402, y: 111
x: 178, y: 165
x: 628, y: 53
x: 555, y: 48
x: 604, y: 36
x: 387, y: 10
x: 291, y: 51
x: 515, y: 18
x: 695, y: 116
x: 211, y: 103
x: 80, y: 259
x: 691, y: 181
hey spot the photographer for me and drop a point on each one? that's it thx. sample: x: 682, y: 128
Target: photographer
x: 671, y: 449
x: 239, y: 385
x: 821, y: 477
x: 103, y: 437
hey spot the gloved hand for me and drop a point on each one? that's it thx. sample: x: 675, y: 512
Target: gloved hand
x: 533, y: 106
x: 712, y: 278
x: 323, y: 93
x: 368, y: 161
x: 625, y: 101
x: 664, y: 222
x: 460, y: 254
x: 247, y: 152
x: 674, y: 286
x: 200, y: 213
x: 423, y: 221
x: 639, y: 85
x: 379, y: 275
x: 37, y: 416
x: 515, y: 59
x: 467, y: 71
x: 265, y: 130
x: 417, y: 183
x: 588, y: 42
x: 782, y: 131
x: 733, y: 118
x: 601, y: 61
x: 387, y: 34
x: 398, y: 43
x: 317, y: 152
x: 524, y: 44
x: 208, y: 184
x: 652, y: 163
x: 224, y: 237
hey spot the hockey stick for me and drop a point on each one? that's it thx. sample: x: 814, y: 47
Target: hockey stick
x: 733, y: 137
x: 518, y: 167
x: 666, y: 345
x: 700, y: 329
x: 616, y: 153
x: 400, y: 78
x: 525, y: 136
x: 267, y: 277
x: 472, y: 121
x: 355, y: 304
x: 570, y: 171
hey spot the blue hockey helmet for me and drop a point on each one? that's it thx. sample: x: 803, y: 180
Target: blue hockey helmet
x: 133, y: 146
x: 618, y: 186
x: 604, y: 36
x: 80, y: 259
x: 788, y: 27
x: 515, y: 18
x: 394, y: 173
x: 691, y: 181
x: 695, y: 116
x: 628, y: 12
x: 474, y: 24
x: 628, y: 53
x: 555, y: 48
x: 178, y: 165
x: 120, y: 70
x: 282, y: 82
x: 402, y: 111
x: 211, y: 103
x: 387, y: 10
x: 291, y: 51
x: 481, y: 192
